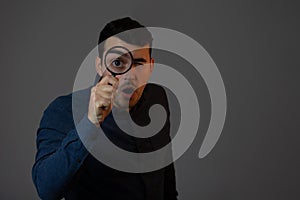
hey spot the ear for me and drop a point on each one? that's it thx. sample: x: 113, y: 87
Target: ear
x: 98, y: 66
x: 151, y: 64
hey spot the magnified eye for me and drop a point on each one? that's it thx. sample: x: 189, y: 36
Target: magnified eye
x: 116, y: 63
x: 118, y: 60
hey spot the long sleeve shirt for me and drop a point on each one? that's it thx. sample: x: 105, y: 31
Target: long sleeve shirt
x: 64, y: 168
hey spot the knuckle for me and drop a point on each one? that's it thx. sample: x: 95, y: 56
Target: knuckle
x: 93, y: 89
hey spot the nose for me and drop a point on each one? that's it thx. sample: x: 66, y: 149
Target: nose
x: 131, y: 74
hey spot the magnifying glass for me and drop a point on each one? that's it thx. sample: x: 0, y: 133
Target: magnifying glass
x: 118, y: 60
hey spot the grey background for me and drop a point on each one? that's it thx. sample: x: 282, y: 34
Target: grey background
x: 255, y: 44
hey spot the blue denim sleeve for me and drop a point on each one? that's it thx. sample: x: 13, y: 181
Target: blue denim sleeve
x: 60, y: 152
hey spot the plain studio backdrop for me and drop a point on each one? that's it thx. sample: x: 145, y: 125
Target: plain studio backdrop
x: 255, y: 45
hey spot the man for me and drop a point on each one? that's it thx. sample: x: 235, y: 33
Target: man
x: 64, y: 168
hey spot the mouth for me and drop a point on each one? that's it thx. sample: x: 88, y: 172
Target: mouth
x: 128, y: 92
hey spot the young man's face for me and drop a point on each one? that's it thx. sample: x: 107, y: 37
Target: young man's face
x: 136, y: 77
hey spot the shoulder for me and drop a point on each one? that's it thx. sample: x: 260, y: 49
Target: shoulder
x: 155, y: 94
x: 154, y: 91
x: 61, y: 103
x: 66, y: 102
x: 154, y: 87
x: 60, y: 111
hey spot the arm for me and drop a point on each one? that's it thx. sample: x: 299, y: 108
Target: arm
x: 170, y: 183
x: 170, y: 192
x: 60, y: 152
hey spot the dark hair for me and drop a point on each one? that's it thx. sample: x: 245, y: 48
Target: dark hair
x: 140, y: 36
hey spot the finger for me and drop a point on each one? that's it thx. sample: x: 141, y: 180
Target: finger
x: 104, y: 88
x: 103, y: 103
x: 100, y: 110
x: 108, y: 80
x: 98, y: 114
x: 103, y: 95
x: 116, y: 85
x: 98, y: 95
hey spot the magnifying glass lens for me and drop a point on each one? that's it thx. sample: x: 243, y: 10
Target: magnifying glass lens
x: 118, y: 60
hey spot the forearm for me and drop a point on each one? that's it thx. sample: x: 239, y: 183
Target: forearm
x: 54, y: 169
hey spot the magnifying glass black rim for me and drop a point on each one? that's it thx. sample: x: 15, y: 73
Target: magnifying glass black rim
x: 114, y: 73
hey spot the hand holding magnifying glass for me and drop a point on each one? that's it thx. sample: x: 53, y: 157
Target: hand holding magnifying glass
x: 118, y: 60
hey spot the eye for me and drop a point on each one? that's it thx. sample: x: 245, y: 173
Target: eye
x: 116, y: 63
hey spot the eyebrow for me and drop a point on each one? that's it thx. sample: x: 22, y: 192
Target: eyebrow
x: 118, y: 52
x: 135, y: 60
x: 139, y: 60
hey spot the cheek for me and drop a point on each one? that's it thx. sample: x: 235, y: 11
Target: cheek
x: 143, y: 75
